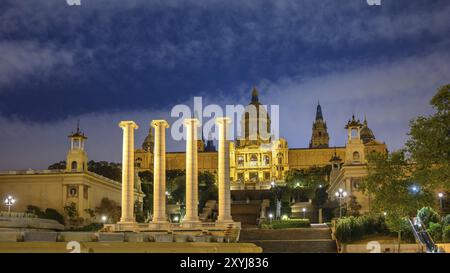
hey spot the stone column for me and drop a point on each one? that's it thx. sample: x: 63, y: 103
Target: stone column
x: 159, y: 173
x: 128, y: 174
x: 224, y: 213
x: 191, y: 172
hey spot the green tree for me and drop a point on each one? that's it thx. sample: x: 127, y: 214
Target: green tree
x: 392, y: 189
x: 171, y: 176
x: 109, y: 170
x: 427, y: 215
x: 320, y: 197
x: 207, y: 187
x: 429, y: 143
x: 178, y: 193
x: 61, y: 165
x: 110, y: 209
x: 354, y: 206
x: 303, y: 183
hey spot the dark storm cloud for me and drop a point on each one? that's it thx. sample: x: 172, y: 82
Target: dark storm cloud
x: 110, y: 59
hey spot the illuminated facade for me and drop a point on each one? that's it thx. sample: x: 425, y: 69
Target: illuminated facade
x: 256, y: 159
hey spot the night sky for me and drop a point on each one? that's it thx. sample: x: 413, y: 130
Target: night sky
x: 111, y: 60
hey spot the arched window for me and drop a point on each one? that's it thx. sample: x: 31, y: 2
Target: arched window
x: 240, y: 160
x: 355, y: 156
x: 138, y: 162
x: 253, y: 160
x: 266, y: 160
x: 74, y: 165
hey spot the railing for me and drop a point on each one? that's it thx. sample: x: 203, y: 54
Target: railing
x: 14, y: 214
x: 245, y: 202
x: 253, y: 165
x: 31, y: 171
x: 422, y: 235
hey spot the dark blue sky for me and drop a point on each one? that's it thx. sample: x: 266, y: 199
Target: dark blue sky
x: 108, y: 60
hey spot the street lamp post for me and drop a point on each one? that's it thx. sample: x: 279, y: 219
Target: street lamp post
x: 441, y: 197
x: 340, y: 194
x: 270, y: 217
x: 304, y: 213
x: 9, y: 202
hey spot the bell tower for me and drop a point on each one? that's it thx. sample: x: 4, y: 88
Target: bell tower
x: 319, y: 138
x: 354, y: 149
x: 76, y: 157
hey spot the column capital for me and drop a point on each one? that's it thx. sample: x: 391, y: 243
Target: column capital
x: 223, y: 120
x: 189, y: 121
x: 159, y: 122
x: 126, y: 123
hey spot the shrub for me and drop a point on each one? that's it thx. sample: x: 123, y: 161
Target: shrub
x: 446, y: 220
x: 35, y: 210
x: 343, y: 232
x: 428, y: 215
x: 446, y: 234
x: 435, y: 230
x: 49, y: 213
x: 357, y: 227
x: 354, y: 228
x: 54, y: 215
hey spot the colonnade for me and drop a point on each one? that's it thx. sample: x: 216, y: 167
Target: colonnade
x: 159, y: 191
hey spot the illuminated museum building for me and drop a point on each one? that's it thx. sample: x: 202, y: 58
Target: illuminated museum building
x: 255, y: 162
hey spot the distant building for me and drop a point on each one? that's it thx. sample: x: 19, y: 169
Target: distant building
x: 348, y: 175
x: 58, y: 188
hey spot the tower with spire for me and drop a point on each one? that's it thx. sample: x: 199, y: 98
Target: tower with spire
x: 77, y: 157
x: 255, y: 123
x: 319, y: 138
x: 200, y: 138
x: 210, y: 144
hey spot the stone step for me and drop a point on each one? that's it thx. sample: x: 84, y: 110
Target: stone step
x: 296, y: 246
x: 40, y: 236
x: 286, y: 234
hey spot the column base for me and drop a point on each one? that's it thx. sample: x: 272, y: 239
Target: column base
x: 159, y: 225
x: 227, y: 220
x: 191, y: 223
x: 126, y: 226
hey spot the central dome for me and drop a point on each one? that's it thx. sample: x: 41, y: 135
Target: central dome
x: 366, y: 133
x: 255, y: 123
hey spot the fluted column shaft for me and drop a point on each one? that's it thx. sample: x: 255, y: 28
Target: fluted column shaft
x: 159, y: 172
x: 191, y: 171
x: 224, y: 214
x: 128, y: 175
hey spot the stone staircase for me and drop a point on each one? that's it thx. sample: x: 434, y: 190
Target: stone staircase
x: 293, y: 240
x: 246, y: 213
